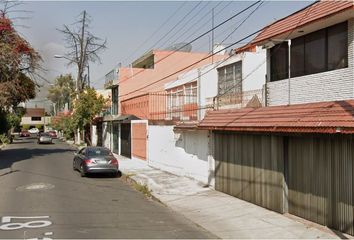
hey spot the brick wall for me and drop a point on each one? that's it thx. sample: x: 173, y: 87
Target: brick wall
x: 325, y: 86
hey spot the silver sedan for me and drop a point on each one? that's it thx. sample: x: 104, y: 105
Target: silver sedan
x: 95, y: 160
x: 44, y: 138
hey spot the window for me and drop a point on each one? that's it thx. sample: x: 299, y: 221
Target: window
x: 338, y: 46
x: 36, y: 118
x: 279, y: 61
x: 115, y: 100
x: 230, y: 79
x: 297, y: 57
x: 315, y: 52
x: 190, y: 93
x: 320, y: 51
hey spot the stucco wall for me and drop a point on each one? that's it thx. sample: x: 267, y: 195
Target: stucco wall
x: 325, y: 86
x: 184, y: 153
x: 106, y: 131
x: 94, y: 135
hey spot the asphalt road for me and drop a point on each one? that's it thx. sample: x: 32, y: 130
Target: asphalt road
x: 42, y: 197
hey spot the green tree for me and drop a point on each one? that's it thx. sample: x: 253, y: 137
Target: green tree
x: 87, y: 107
x: 62, y: 92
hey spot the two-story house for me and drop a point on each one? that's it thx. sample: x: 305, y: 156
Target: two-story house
x: 137, y: 91
x: 35, y: 118
x: 229, y: 83
x: 296, y: 154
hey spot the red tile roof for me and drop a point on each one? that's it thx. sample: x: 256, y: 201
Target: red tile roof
x: 311, y: 13
x: 323, y: 117
x: 34, y: 112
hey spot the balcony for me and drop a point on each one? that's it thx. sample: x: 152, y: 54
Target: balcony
x: 163, y: 106
x: 110, y: 78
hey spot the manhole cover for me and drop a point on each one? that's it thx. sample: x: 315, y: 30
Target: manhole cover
x: 35, y: 187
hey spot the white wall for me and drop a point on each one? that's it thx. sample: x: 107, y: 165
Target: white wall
x: 107, y: 135
x: 94, y: 135
x: 253, y: 70
x: 28, y: 121
x: 326, y: 86
x: 184, y: 153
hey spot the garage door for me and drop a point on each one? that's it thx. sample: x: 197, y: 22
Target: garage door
x: 139, y: 139
x: 250, y: 167
x: 320, y: 180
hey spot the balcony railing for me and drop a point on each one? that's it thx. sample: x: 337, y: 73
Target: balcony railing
x: 110, y: 78
x: 181, y: 107
x: 162, y: 106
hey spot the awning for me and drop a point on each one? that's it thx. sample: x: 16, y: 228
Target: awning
x: 119, y: 118
x: 322, y: 117
x: 185, y: 126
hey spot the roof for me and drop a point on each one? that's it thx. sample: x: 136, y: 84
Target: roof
x: 34, y: 112
x: 323, y: 117
x: 192, y: 125
x: 121, y: 118
x: 312, y: 13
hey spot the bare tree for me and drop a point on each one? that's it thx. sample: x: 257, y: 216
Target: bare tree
x: 83, y: 47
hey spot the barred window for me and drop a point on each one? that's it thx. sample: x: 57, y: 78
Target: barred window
x: 230, y: 79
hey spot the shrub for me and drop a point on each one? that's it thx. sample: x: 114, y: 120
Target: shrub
x: 39, y: 126
x: 4, y: 139
x: 25, y: 127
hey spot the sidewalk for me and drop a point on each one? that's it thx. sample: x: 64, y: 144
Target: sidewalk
x: 223, y: 215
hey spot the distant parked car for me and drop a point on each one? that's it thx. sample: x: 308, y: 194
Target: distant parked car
x: 44, y: 138
x: 25, y: 133
x: 53, y: 134
x: 34, y: 130
x: 95, y: 160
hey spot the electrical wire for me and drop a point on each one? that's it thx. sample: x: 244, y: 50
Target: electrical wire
x: 155, y: 32
x: 200, y: 36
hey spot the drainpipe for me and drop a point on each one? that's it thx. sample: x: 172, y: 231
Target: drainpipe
x: 199, y: 113
x: 289, y: 64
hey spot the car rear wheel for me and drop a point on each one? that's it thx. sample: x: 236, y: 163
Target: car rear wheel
x: 82, y: 172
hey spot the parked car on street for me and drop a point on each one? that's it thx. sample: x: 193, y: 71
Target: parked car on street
x: 34, y: 130
x: 25, y: 133
x: 44, y: 138
x: 53, y: 134
x: 95, y: 160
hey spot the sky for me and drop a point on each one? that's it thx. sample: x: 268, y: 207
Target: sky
x: 132, y: 28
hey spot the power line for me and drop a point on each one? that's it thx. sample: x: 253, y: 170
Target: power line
x: 200, y: 36
x: 161, y: 79
x: 156, y: 31
x: 195, y: 24
x: 242, y: 22
x: 276, y: 49
x: 235, y: 15
x: 195, y: 15
x: 179, y: 22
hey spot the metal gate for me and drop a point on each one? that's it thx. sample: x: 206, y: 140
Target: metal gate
x: 125, y: 142
x: 321, y: 180
x: 250, y: 167
x: 139, y: 139
x: 115, y: 140
x: 99, y: 134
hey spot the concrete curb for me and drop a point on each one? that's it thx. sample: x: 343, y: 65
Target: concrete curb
x: 131, y: 179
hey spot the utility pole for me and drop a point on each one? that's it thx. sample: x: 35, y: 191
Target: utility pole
x: 212, y: 35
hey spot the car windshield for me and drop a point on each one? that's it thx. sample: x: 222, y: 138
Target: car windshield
x: 44, y: 134
x: 98, y: 152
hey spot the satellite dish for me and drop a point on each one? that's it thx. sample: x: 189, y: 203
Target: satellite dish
x: 181, y: 47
